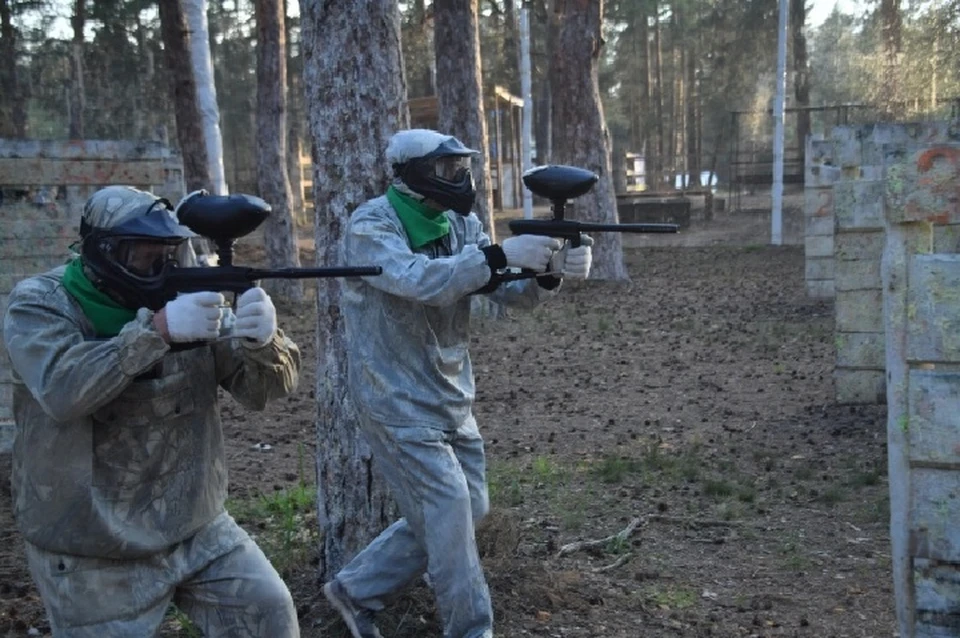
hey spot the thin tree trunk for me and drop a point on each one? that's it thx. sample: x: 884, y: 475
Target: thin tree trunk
x: 578, y: 112
x: 279, y: 233
x: 176, y: 44
x: 77, y: 98
x: 350, y: 125
x: 460, y: 95
x: 145, y: 125
x: 693, y: 107
x: 657, y: 97
x: 202, y: 60
x: 891, y: 30
x: 511, y: 45
x: 645, y: 124
x: 801, y: 76
x: 542, y: 105
x: 674, y: 123
x: 294, y: 128
x: 13, y: 113
x: 294, y: 155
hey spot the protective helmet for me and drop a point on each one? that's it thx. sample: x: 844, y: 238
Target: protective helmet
x: 129, y: 239
x: 435, y: 166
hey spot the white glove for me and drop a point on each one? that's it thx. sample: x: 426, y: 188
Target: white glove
x: 574, y: 262
x: 194, y: 316
x: 256, y: 318
x: 532, y: 252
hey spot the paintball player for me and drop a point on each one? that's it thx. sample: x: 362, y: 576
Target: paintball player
x: 119, y: 476
x: 410, y: 376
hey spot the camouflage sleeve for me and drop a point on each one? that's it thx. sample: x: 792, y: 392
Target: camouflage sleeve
x: 524, y: 293
x: 70, y: 376
x: 256, y: 376
x: 437, y: 282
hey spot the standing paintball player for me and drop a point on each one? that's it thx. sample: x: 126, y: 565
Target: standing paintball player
x: 411, y: 380
x: 119, y: 476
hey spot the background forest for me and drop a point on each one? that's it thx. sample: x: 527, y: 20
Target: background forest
x: 671, y: 73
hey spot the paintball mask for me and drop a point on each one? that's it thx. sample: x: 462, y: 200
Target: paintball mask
x: 131, y: 252
x: 442, y: 175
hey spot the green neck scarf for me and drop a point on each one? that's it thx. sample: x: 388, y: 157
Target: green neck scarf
x: 422, y: 223
x: 106, y: 315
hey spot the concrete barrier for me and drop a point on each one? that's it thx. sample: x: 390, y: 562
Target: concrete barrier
x: 920, y: 276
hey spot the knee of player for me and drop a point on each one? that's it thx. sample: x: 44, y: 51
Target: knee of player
x: 480, y: 506
x: 272, y: 597
x: 279, y: 597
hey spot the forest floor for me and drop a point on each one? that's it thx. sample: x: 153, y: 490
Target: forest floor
x: 690, y: 410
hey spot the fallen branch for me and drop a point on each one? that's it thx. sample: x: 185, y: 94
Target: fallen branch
x: 619, y: 537
x: 617, y: 563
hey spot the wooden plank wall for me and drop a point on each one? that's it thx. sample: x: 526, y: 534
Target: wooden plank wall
x: 45, y: 184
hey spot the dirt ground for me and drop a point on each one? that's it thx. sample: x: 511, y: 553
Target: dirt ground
x: 691, y: 408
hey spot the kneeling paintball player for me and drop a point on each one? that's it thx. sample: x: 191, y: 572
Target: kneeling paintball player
x: 119, y: 475
x: 410, y: 376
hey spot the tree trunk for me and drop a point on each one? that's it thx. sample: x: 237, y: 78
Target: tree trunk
x: 891, y: 41
x: 460, y: 95
x: 176, y: 45
x: 542, y: 106
x: 145, y: 125
x: 645, y: 122
x: 350, y: 125
x: 77, y: 98
x: 202, y: 60
x: 279, y: 233
x: 511, y: 46
x: 675, y: 119
x: 13, y: 113
x: 656, y: 96
x: 692, y: 136
x: 801, y: 76
x: 294, y: 129
x: 578, y: 113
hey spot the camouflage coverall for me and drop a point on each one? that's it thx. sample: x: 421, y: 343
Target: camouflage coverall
x: 119, y: 476
x: 410, y: 377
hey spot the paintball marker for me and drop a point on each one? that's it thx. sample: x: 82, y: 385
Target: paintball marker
x: 223, y: 219
x: 558, y: 183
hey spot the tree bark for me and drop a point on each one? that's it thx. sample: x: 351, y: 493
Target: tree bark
x: 511, y: 46
x: 675, y: 101
x: 578, y: 113
x: 801, y: 75
x: 656, y: 182
x: 542, y: 106
x: 176, y: 45
x: 692, y: 135
x: 294, y: 128
x: 77, y: 100
x: 350, y: 122
x: 891, y: 41
x: 460, y: 95
x: 202, y: 60
x: 13, y: 112
x: 645, y: 121
x: 279, y: 233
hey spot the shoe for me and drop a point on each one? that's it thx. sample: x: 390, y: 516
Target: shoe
x: 359, y: 620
